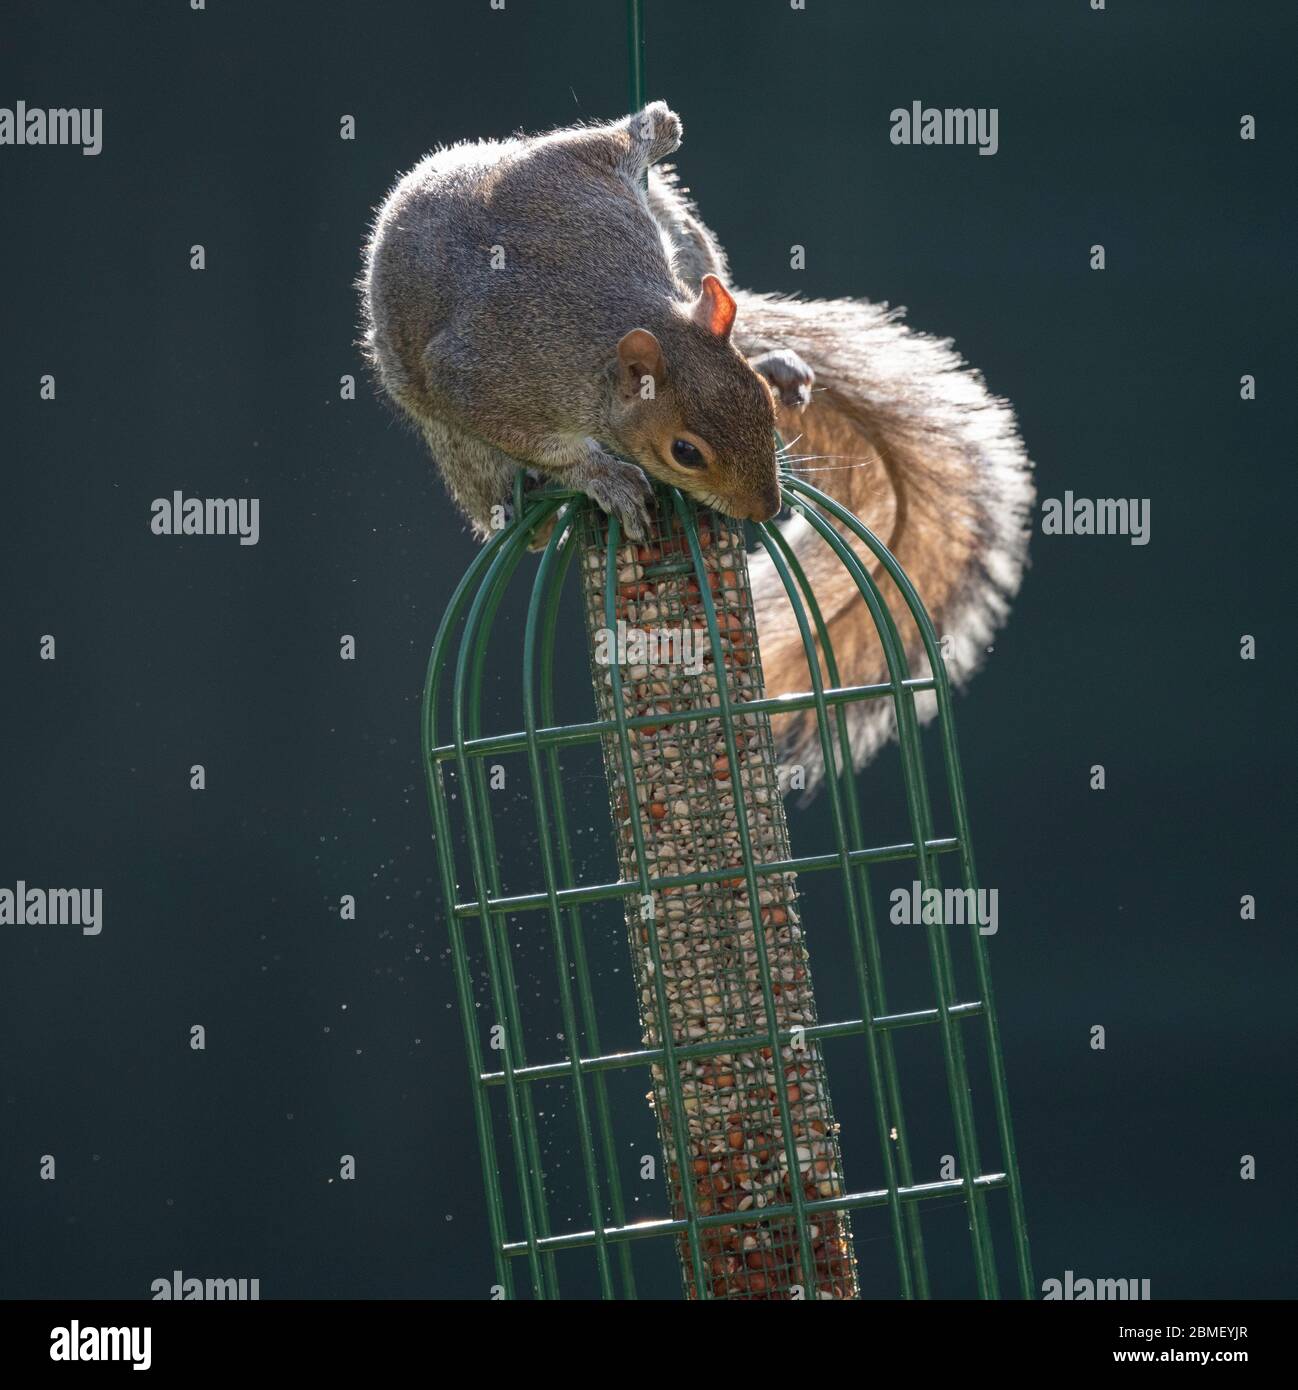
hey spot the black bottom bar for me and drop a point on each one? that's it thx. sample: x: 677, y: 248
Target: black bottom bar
x: 343, y: 1338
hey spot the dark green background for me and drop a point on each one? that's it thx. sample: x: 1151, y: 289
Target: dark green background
x: 1119, y: 908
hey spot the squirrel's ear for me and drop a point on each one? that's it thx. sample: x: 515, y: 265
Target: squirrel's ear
x: 639, y: 355
x: 715, y: 307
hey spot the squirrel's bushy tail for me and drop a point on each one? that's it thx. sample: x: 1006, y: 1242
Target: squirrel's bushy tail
x: 905, y: 435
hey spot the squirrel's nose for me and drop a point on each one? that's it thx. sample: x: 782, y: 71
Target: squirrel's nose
x: 768, y: 506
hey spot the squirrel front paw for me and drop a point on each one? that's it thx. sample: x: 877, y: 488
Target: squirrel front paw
x: 621, y: 489
x: 788, y: 374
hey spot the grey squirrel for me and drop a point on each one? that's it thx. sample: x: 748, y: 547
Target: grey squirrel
x: 533, y: 301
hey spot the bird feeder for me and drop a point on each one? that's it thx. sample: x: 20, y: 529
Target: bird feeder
x: 732, y: 1054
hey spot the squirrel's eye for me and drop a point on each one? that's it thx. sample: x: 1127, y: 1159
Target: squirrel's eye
x: 687, y: 454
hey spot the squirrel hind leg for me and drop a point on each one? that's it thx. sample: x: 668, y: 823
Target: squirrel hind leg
x: 790, y: 377
x: 655, y: 132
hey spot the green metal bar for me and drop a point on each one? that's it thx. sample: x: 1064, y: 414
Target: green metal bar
x: 853, y: 1201
x: 635, y: 53
x: 568, y: 735
x: 810, y: 863
x: 645, y: 1056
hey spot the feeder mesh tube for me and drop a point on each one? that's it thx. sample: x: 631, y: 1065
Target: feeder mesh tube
x: 735, y: 1155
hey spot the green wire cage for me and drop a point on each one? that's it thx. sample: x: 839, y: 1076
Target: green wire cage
x: 757, y: 1200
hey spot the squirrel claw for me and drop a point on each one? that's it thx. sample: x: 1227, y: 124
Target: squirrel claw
x: 621, y: 490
